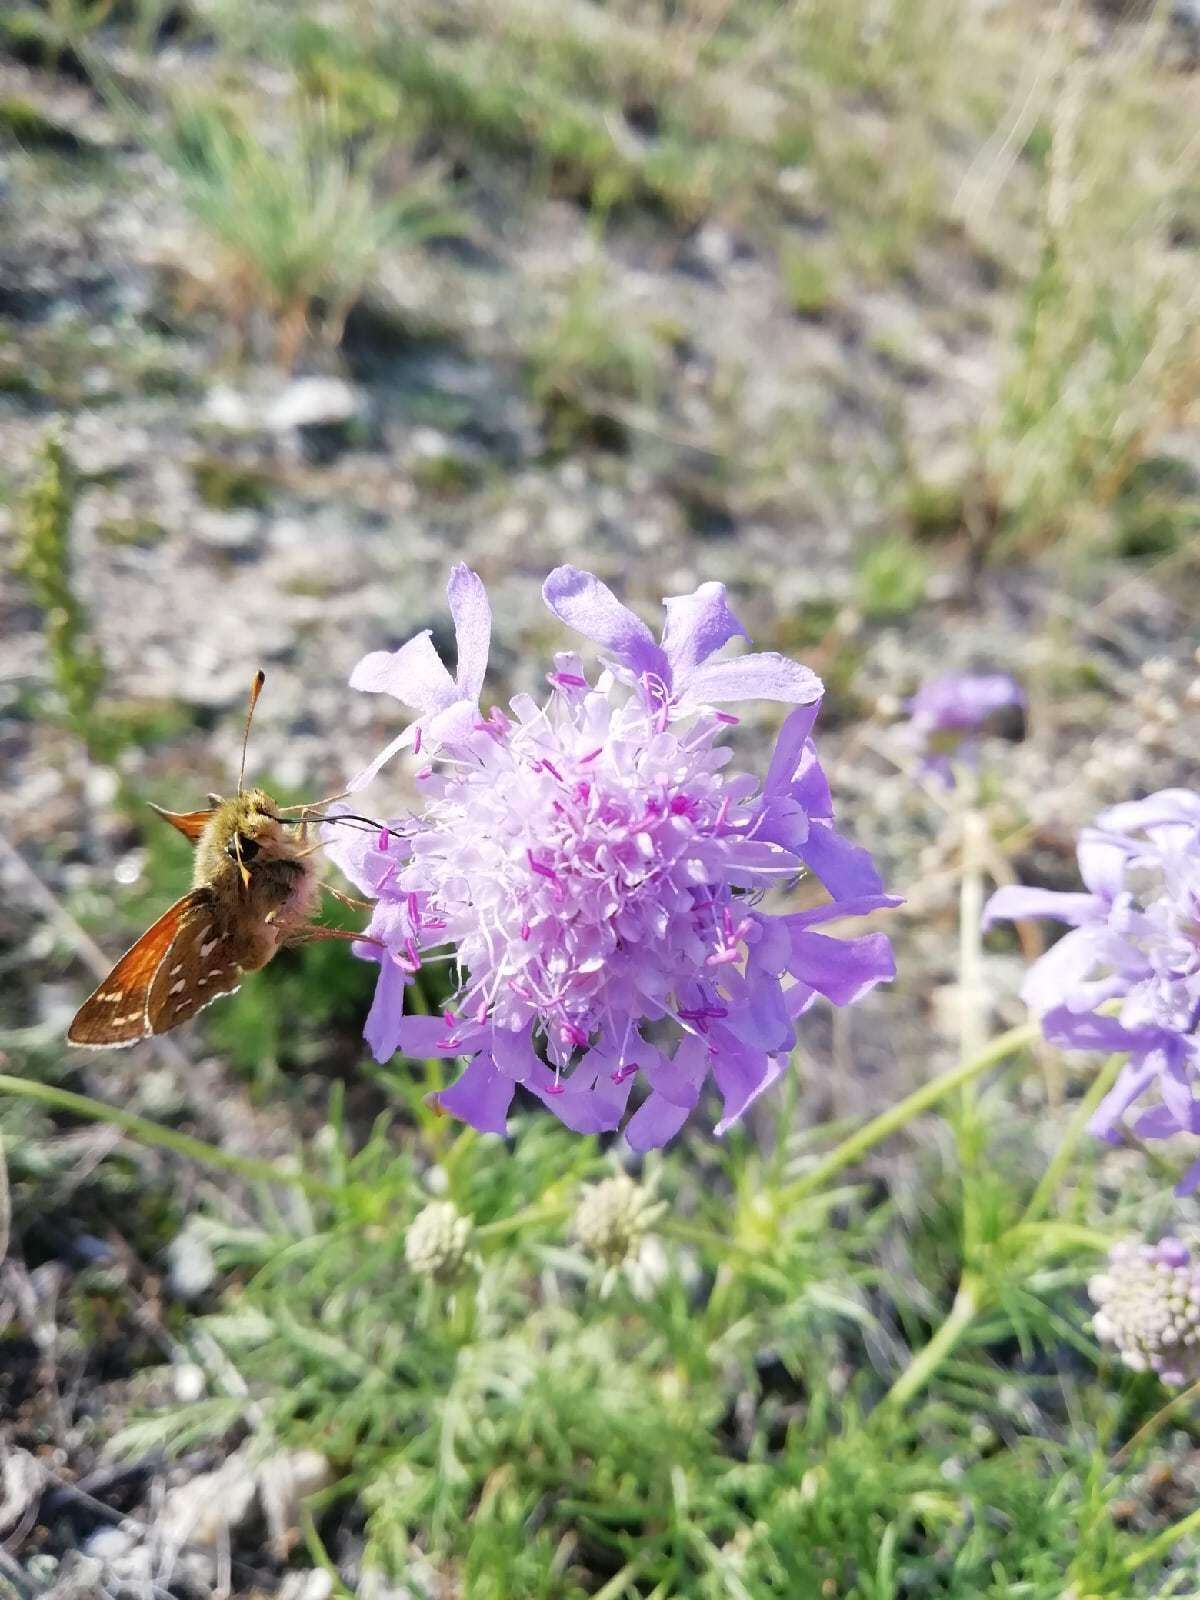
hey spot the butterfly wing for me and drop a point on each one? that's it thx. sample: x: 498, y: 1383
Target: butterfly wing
x: 202, y: 964
x: 119, y: 1011
x: 189, y: 823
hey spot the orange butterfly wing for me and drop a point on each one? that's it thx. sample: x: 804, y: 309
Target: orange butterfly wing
x: 200, y: 966
x: 119, y: 1011
x: 189, y: 823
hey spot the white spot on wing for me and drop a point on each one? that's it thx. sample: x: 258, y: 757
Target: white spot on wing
x: 209, y: 945
x: 177, y: 987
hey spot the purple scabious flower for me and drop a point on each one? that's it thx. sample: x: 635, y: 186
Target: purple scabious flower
x: 1126, y: 978
x: 948, y: 715
x: 594, y: 870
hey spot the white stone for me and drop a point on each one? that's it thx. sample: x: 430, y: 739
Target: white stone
x: 311, y: 403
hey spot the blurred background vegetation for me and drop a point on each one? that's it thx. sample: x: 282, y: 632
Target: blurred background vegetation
x: 883, y: 312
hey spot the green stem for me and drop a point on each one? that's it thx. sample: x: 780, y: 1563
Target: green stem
x: 972, y: 1013
x: 153, y: 1133
x: 1052, y: 1176
x: 527, y: 1216
x: 1163, y: 1542
x: 967, y: 1304
x: 903, y: 1112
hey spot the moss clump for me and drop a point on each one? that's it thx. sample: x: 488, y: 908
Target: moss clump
x: 231, y: 485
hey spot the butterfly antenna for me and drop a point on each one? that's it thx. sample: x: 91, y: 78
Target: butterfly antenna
x: 256, y: 689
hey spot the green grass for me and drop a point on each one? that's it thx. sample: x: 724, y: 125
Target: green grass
x: 712, y: 1422
x: 298, y: 215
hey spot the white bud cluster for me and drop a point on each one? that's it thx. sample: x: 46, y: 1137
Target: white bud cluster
x: 1148, y: 1305
x: 438, y: 1242
x: 612, y: 1219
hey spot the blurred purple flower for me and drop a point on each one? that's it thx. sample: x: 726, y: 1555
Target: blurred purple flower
x: 948, y: 715
x: 1134, y: 948
x: 595, y: 872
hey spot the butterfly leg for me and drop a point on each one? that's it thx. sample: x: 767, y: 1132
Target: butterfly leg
x: 347, y: 899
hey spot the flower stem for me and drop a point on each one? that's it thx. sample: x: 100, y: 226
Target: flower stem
x: 968, y: 1302
x: 1052, y: 1176
x: 972, y: 1009
x: 528, y: 1216
x: 903, y: 1112
x: 154, y: 1134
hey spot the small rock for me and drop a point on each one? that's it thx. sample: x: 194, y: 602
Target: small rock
x: 208, y: 1507
x: 284, y: 1483
x: 429, y: 442
x: 109, y: 1544
x: 191, y: 1268
x: 715, y: 246
x: 324, y: 413
x: 229, y: 409
x: 306, y: 1586
x: 188, y: 1383
x: 22, y: 1479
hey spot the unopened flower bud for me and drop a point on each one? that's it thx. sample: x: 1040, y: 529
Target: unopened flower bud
x: 1148, y: 1305
x: 612, y: 1219
x: 438, y: 1242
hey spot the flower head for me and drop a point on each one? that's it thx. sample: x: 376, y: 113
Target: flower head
x: 1126, y: 978
x: 948, y: 715
x: 1148, y: 1305
x: 595, y: 872
x: 613, y: 1217
x: 438, y: 1242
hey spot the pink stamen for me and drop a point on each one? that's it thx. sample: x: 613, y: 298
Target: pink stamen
x: 623, y: 1073
x: 384, y: 839
x: 591, y: 755
x: 573, y: 1035
x: 481, y: 1012
x: 728, y: 718
x: 566, y: 680
x: 552, y: 769
x: 721, y: 958
x: 449, y: 1019
x: 414, y: 910
x: 412, y: 952
x: 425, y: 772
x: 540, y: 867
x: 417, y: 740
x: 556, y: 1088
x: 525, y: 930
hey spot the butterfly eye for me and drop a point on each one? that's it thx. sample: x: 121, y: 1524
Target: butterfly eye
x: 248, y: 848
